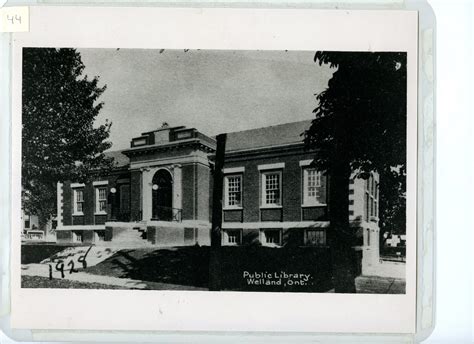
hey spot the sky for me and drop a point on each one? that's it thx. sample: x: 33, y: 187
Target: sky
x: 211, y: 90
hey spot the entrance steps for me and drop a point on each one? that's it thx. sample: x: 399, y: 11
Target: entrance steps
x: 127, y: 235
x: 129, y: 238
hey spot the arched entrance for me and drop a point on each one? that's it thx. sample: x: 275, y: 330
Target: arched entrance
x: 162, y: 196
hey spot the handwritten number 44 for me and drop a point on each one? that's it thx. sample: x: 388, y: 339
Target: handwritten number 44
x: 14, y: 18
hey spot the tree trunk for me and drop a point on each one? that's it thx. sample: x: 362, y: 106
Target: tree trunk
x: 340, y: 234
x: 43, y: 223
x: 216, y: 236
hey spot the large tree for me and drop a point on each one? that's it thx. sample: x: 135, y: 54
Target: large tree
x: 60, y: 140
x: 359, y: 125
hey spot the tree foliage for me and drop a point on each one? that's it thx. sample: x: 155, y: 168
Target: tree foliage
x: 59, y: 139
x: 360, y: 125
x: 392, y: 203
x: 363, y: 110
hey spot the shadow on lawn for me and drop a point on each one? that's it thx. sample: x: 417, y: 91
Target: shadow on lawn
x: 275, y: 269
x: 182, y: 266
x: 36, y: 252
x: 189, y: 266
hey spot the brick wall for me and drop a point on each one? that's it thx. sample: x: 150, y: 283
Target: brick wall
x: 63, y: 236
x: 100, y: 219
x: 67, y: 204
x: 88, y: 236
x: 188, y: 189
x: 211, y: 190
x: 292, y: 190
x: 135, y: 195
x: 202, y: 193
x: 89, y: 204
x: 89, y: 217
x: 357, y: 198
x: 78, y: 220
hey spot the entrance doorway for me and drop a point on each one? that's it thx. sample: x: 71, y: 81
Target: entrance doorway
x: 162, y: 196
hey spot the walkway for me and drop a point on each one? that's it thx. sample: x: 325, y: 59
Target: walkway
x: 42, y: 270
x: 379, y: 285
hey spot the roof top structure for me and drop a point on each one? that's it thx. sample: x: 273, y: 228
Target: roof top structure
x: 275, y: 135
x: 120, y: 160
x: 259, y: 138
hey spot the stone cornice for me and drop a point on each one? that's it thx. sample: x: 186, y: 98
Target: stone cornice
x: 269, y: 151
x: 175, y: 145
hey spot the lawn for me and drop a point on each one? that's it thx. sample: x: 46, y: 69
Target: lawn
x: 37, y: 252
x: 243, y: 268
x: 380, y: 285
x: 44, y: 282
x: 186, y: 266
x: 189, y: 266
x: 259, y: 268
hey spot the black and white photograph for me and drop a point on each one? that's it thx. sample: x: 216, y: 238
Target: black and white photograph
x: 259, y: 171
x: 214, y: 170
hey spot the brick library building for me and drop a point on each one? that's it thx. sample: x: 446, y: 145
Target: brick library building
x: 160, y: 194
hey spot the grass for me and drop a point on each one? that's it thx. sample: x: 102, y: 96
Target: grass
x: 189, y: 266
x: 44, y: 282
x: 37, y: 252
x: 380, y: 285
x: 311, y: 261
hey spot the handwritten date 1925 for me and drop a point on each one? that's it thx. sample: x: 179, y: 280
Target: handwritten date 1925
x: 60, y: 265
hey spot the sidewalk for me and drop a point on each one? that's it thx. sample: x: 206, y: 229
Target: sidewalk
x: 42, y: 270
x: 364, y: 284
x: 94, y: 255
x: 379, y: 285
x: 72, y: 258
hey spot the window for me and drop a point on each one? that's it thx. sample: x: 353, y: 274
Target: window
x: 272, y: 237
x: 367, y: 206
x: 233, y: 191
x: 78, y: 201
x: 376, y: 200
x: 77, y: 236
x: 233, y: 236
x: 312, y: 193
x: 184, y: 135
x: 27, y: 221
x: 271, y: 189
x: 371, y: 198
x: 101, y: 200
x: 100, y: 235
x: 139, y: 142
x: 368, y: 237
x: 316, y: 237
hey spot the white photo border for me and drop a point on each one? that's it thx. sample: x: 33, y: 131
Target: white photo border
x: 218, y: 29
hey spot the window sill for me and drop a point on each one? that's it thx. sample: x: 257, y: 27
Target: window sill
x: 100, y: 213
x: 314, y: 205
x: 78, y: 214
x: 271, y: 207
x: 232, y: 208
x: 271, y: 245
